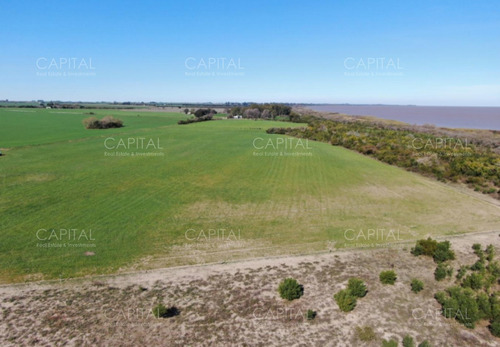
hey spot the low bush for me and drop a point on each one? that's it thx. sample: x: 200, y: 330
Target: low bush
x: 161, y: 311
x: 442, y: 271
x: 490, y: 251
x: 107, y: 122
x: 495, y: 327
x: 388, y: 277
x: 439, y: 251
x: 478, y: 266
x: 460, y: 304
x: 484, y: 306
x: 408, y: 341
x: 365, y: 333
x: 462, y: 271
x: 290, y: 289
x: 196, y: 120
x: 357, y: 287
x: 390, y: 343
x: 345, y: 300
x: 425, y: 247
x: 443, y: 252
x: 424, y: 343
x: 416, y: 285
x: 310, y: 315
x: 473, y: 281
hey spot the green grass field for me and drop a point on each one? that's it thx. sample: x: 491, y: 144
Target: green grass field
x: 152, y: 211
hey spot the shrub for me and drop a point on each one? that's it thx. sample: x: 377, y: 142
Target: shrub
x: 290, y: 289
x: 474, y: 281
x: 478, y: 266
x: 204, y: 118
x: 424, y: 343
x: 416, y: 285
x: 443, y: 252
x: 357, y: 287
x: 495, y: 327
x: 91, y: 123
x: 484, y: 306
x: 203, y: 112
x: 494, y: 269
x: 440, y: 272
x: 495, y: 307
x: 345, y: 300
x: 439, y: 251
x: 461, y: 272
x: 109, y: 122
x: 388, y: 277
x: 424, y: 247
x: 161, y: 311
x: 365, y: 333
x: 390, y: 343
x: 310, y: 315
x: 490, y: 251
x: 106, y: 123
x: 408, y: 341
x: 460, y: 304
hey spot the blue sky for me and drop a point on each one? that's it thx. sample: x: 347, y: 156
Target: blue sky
x: 393, y: 52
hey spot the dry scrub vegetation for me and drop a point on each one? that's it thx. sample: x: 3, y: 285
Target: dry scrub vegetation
x: 238, y: 304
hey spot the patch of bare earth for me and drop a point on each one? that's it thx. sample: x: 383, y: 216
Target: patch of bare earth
x: 238, y: 304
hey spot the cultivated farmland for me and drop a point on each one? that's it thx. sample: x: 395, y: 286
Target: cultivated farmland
x: 189, y: 194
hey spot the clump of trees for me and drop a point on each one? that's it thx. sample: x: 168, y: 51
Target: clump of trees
x: 261, y: 111
x: 290, y: 289
x: 472, y: 298
x: 200, y: 115
x: 204, y: 111
x: 439, y: 251
x: 106, y: 123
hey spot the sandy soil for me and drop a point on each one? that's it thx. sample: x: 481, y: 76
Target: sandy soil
x: 236, y: 304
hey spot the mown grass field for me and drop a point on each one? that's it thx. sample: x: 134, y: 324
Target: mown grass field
x: 170, y: 208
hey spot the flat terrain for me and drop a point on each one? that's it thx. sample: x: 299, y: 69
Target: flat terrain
x: 205, y: 192
x: 237, y: 304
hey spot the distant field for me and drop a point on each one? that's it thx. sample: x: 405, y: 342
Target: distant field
x: 152, y: 211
